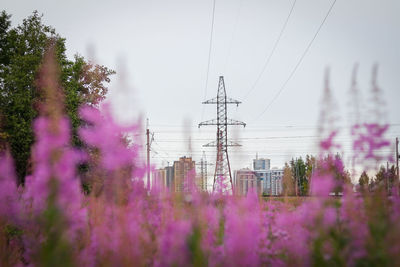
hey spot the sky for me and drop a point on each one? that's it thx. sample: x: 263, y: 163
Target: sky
x: 160, y: 50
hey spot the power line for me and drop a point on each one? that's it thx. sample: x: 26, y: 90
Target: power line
x: 311, y: 138
x: 159, y: 156
x: 257, y: 126
x: 239, y: 138
x: 270, y: 150
x: 252, y: 153
x: 272, y: 51
x: 233, y: 34
x: 299, y: 62
x: 209, y: 56
x: 160, y: 149
x: 174, y: 133
x: 267, y: 151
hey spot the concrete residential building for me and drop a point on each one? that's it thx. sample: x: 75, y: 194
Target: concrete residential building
x: 159, y: 178
x: 246, y: 180
x: 182, y: 169
x: 169, y: 178
x: 261, y: 164
x: 273, y: 185
x: 261, y: 178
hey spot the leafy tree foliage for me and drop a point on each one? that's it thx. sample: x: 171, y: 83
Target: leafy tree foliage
x: 288, y: 182
x: 21, y: 53
x: 333, y: 165
x: 310, y: 165
x: 298, y: 168
x: 363, y: 181
x: 385, y: 179
x: 298, y: 173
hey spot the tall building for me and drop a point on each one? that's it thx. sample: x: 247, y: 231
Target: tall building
x: 261, y: 164
x: 273, y: 184
x: 159, y: 178
x: 261, y: 169
x: 261, y: 178
x: 169, y: 177
x: 184, y: 169
x: 246, y: 180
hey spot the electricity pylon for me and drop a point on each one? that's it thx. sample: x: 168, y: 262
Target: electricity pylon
x: 203, y: 171
x: 222, y: 165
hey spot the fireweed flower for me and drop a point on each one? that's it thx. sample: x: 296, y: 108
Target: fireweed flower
x: 172, y: 246
x: 368, y: 140
x: 242, y: 229
x: 102, y: 132
x: 9, y: 196
x: 54, y: 172
x: 124, y: 224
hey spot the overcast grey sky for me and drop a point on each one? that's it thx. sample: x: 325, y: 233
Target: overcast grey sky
x: 161, y: 48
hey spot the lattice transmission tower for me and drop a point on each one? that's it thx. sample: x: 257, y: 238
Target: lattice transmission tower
x: 222, y: 165
x: 203, y: 172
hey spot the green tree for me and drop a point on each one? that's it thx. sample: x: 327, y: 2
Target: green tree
x: 385, y: 178
x: 298, y: 168
x: 311, y: 162
x: 363, y: 181
x: 21, y: 52
x: 333, y: 165
x: 288, y: 181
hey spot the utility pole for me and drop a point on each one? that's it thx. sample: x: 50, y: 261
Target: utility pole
x: 148, y: 144
x: 222, y: 165
x: 203, y: 171
x: 297, y: 175
x: 397, y: 157
x: 311, y: 177
x: 148, y: 155
x: 387, y: 177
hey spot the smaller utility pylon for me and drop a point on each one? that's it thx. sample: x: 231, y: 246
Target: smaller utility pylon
x: 148, y: 146
x: 397, y: 158
x: 222, y: 165
x: 203, y: 172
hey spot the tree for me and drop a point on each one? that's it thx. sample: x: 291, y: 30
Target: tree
x: 297, y: 175
x: 288, y: 181
x: 311, y: 162
x: 21, y: 52
x: 363, y: 181
x: 298, y: 168
x: 385, y: 178
x: 333, y: 166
